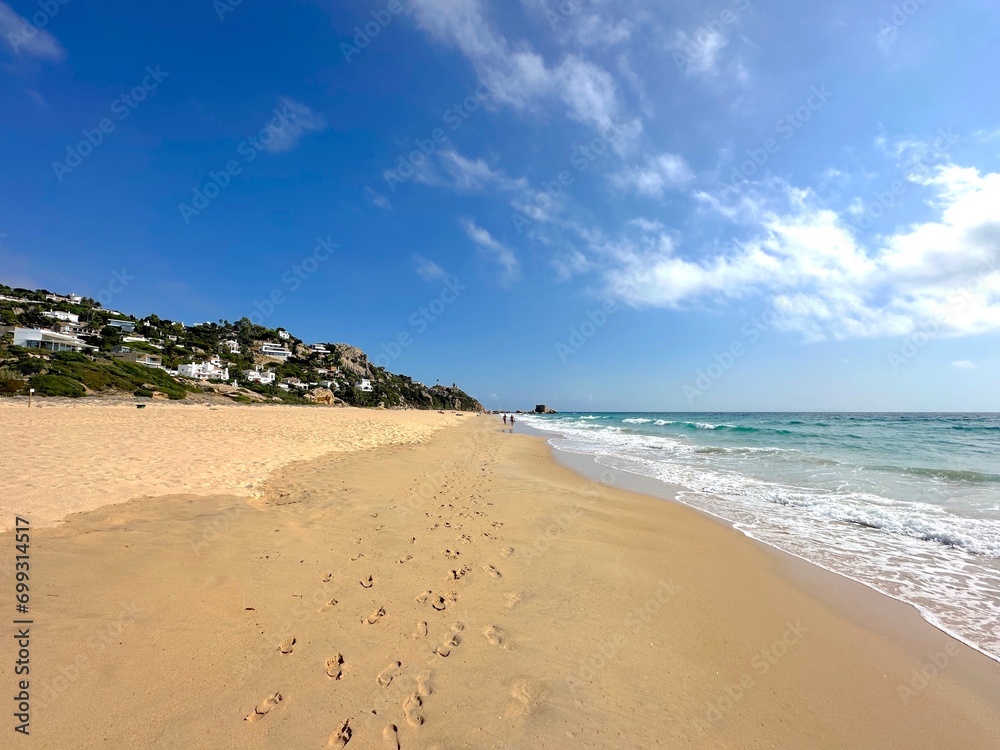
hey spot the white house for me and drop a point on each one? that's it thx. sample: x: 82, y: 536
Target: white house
x: 283, y: 334
x: 140, y: 358
x: 211, y: 370
x: 294, y: 383
x: 125, y: 325
x: 275, y: 350
x: 60, y: 315
x: 331, y: 384
x: 319, y: 349
x: 36, y: 338
x: 76, y: 299
x: 366, y: 385
x: 232, y: 345
x: 258, y: 375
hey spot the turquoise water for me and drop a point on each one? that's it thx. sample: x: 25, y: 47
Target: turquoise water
x: 908, y: 504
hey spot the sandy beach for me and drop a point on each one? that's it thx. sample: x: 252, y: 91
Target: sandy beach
x: 305, y: 578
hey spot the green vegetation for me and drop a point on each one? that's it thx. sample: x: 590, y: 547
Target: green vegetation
x: 341, y: 368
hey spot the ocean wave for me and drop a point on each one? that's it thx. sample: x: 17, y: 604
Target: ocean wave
x: 954, y: 475
x: 636, y: 420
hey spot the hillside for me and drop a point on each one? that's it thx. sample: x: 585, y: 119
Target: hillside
x: 110, y: 353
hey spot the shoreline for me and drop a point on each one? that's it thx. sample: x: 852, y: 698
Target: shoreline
x: 895, y: 618
x: 575, y: 615
x: 588, y: 466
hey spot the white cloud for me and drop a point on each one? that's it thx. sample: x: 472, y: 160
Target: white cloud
x: 510, y: 267
x: 964, y: 364
x: 942, y: 274
x: 653, y: 178
x: 25, y: 39
x: 300, y: 120
x: 428, y: 270
x: 517, y: 75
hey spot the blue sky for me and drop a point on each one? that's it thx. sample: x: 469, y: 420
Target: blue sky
x: 637, y: 205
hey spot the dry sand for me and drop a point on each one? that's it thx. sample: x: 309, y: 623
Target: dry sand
x: 465, y: 592
x: 77, y: 455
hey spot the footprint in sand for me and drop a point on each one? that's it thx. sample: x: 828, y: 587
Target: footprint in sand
x: 493, y: 635
x: 411, y: 710
x: 367, y: 583
x: 413, y: 540
x: 439, y: 603
x: 506, y: 552
x: 327, y: 577
x: 422, y: 599
x: 391, y: 736
x: 527, y: 696
x: 384, y: 678
x: 287, y: 645
x: 457, y: 575
x: 421, y: 631
x: 466, y: 539
x: 263, y: 707
x: 512, y: 598
x: 492, y: 571
x: 341, y: 735
x: 451, y: 642
x: 457, y: 627
x: 327, y: 605
x: 333, y: 666
x: 402, y: 560
x: 451, y: 554
x: 358, y: 556
x: 425, y: 686
x: 375, y: 616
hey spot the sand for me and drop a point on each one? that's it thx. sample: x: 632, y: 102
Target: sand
x: 77, y: 455
x: 464, y: 591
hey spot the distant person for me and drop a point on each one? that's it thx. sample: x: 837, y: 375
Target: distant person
x: 505, y: 419
x: 511, y: 420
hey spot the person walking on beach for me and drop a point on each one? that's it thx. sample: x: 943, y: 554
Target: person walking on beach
x: 511, y: 420
x: 505, y: 419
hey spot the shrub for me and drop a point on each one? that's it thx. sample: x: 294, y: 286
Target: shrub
x: 57, y: 385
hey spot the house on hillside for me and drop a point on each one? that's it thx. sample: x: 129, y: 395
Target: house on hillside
x: 36, y: 338
x: 140, y: 358
x: 293, y: 382
x: 125, y: 326
x: 75, y: 299
x: 274, y: 350
x: 366, y: 385
x: 64, y: 316
x: 75, y: 329
x: 231, y: 345
x: 319, y: 349
x: 214, y: 369
x: 283, y: 334
x: 259, y: 375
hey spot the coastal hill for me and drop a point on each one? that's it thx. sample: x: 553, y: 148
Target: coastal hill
x: 68, y: 345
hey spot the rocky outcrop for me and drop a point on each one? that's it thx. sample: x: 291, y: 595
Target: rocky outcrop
x: 353, y: 359
x: 543, y: 409
x: 322, y: 396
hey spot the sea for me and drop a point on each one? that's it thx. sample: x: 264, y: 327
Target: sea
x: 907, y: 504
